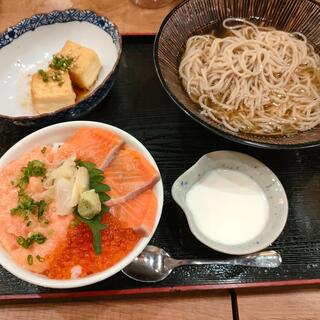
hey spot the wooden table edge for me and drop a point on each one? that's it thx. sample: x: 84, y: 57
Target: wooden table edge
x: 153, y: 290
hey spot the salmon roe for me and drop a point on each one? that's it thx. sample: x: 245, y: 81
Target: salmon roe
x: 77, y: 249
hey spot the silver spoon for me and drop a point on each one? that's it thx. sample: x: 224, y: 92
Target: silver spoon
x: 154, y: 264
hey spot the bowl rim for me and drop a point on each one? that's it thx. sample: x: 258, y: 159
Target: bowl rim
x: 40, y: 280
x: 221, y: 133
x: 93, y: 92
x: 214, y: 245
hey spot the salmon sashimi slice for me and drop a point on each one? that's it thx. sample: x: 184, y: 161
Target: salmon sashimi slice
x: 128, y: 175
x: 91, y: 144
x: 138, y: 213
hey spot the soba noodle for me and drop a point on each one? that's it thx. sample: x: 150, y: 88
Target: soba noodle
x: 257, y: 79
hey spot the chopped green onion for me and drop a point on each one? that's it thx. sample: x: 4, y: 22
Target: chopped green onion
x: 38, y: 237
x: 42, y: 205
x: 39, y: 258
x: 44, y: 75
x: 21, y: 241
x: 44, y: 149
x: 57, y: 76
x: 30, y: 259
x: 34, y: 168
x: 60, y: 62
x: 26, y: 205
x: 35, y: 237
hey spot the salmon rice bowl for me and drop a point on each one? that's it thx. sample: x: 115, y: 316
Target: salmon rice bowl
x: 76, y: 208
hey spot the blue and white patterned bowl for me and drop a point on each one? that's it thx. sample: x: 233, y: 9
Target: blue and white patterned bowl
x: 29, y: 45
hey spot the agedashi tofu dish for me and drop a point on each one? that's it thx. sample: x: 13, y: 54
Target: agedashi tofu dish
x: 74, y: 69
x: 77, y: 208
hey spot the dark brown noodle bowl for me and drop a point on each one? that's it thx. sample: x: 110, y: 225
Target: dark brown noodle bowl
x: 199, y: 16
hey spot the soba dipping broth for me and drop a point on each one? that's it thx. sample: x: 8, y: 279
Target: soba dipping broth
x: 228, y: 206
x: 253, y: 79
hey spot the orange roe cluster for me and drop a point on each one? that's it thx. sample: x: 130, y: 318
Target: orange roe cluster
x: 77, y: 249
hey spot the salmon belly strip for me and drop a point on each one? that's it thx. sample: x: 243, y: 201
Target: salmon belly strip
x: 138, y: 213
x: 128, y: 175
x: 91, y: 144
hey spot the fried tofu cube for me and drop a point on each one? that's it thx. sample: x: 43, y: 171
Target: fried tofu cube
x: 48, y: 96
x: 86, y: 67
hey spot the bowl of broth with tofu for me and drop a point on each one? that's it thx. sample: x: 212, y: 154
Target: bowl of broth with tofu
x: 233, y: 203
x: 57, y: 66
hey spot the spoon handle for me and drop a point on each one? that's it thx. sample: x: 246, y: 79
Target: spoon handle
x: 263, y: 259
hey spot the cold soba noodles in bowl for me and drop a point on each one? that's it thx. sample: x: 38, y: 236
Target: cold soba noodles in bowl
x: 255, y: 79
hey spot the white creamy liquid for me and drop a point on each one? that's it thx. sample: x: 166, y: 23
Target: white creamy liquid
x: 228, y: 206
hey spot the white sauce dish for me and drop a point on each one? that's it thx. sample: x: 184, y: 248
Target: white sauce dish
x: 233, y: 202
